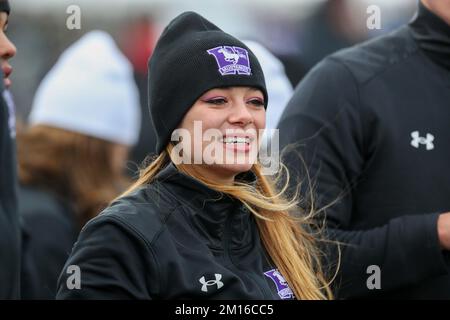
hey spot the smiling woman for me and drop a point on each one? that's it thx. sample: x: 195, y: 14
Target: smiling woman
x: 197, y: 230
x: 236, y: 114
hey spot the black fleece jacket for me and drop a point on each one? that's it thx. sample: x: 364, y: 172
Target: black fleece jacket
x: 174, y: 238
x: 372, y: 123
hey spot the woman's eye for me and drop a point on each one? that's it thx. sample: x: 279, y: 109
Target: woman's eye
x: 256, y: 102
x: 217, y: 101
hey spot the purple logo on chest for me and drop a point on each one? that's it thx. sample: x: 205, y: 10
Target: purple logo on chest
x: 282, y: 287
x: 231, y: 60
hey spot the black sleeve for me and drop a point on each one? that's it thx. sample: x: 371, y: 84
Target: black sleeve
x: 46, y: 244
x: 9, y: 221
x: 114, y: 262
x: 323, y: 124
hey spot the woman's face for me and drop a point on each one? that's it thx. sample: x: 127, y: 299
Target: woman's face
x: 7, y: 49
x: 231, y: 120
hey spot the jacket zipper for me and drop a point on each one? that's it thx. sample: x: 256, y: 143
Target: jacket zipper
x: 227, y: 239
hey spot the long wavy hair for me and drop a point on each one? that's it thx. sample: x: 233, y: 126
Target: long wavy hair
x: 286, y: 231
x: 76, y: 168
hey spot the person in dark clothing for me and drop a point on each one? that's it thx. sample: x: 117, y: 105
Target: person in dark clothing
x: 9, y: 221
x: 372, y: 125
x: 49, y: 231
x: 196, y: 228
x: 84, y: 119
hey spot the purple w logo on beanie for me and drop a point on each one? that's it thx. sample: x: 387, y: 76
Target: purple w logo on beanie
x: 231, y: 60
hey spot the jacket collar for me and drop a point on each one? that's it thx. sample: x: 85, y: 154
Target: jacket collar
x: 216, y: 216
x: 432, y: 35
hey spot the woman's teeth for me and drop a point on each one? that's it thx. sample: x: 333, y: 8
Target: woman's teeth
x: 230, y: 140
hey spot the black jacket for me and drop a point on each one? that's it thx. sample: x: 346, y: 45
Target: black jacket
x: 49, y: 230
x: 9, y: 221
x: 172, y: 239
x: 372, y: 123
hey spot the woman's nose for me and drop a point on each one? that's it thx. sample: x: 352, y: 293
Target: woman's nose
x: 7, y: 48
x: 241, y: 115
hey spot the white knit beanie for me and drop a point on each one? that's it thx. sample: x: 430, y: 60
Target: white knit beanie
x: 90, y: 90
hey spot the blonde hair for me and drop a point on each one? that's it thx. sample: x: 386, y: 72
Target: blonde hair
x: 292, y: 249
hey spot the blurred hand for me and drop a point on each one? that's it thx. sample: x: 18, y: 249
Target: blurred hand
x: 443, y: 226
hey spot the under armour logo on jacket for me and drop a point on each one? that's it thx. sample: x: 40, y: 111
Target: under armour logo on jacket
x: 418, y: 140
x: 216, y: 282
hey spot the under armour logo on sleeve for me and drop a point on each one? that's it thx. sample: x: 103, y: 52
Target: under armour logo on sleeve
x: 216, y: 282
x: 418, y: 140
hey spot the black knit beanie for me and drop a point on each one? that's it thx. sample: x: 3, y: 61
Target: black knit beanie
x: 191, y: 57
x: 4, y: 6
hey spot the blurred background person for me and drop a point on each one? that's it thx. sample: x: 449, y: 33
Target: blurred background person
x: 84, y: 119
x: 9, y: 222
x: 330, y: 28
x: 372, y: 124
